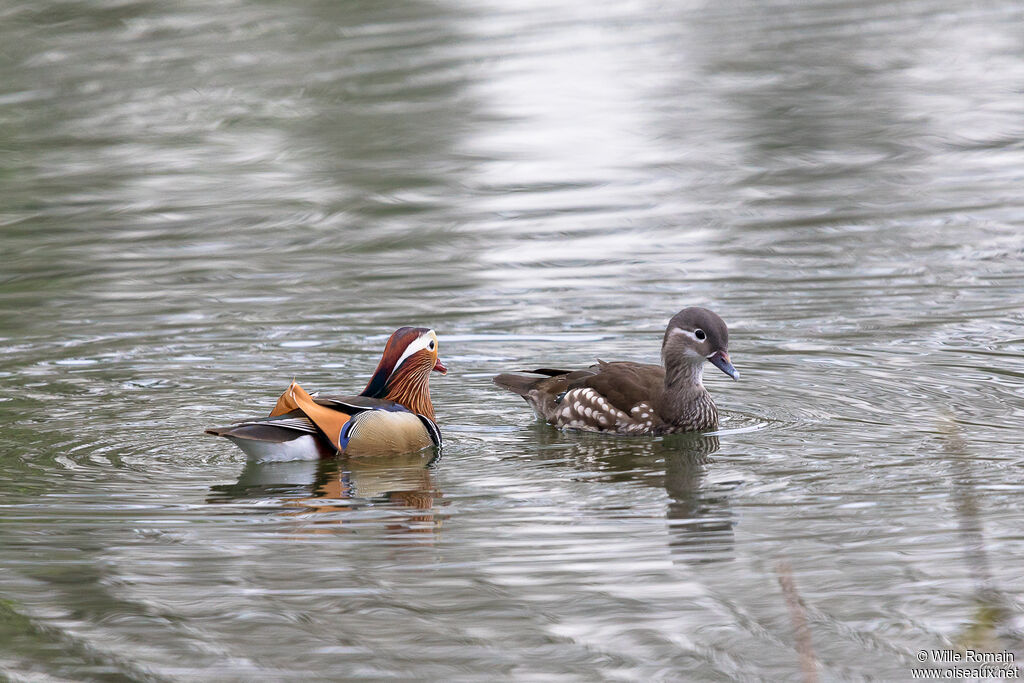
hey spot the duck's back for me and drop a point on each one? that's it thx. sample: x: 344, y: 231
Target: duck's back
x: 614, y: 397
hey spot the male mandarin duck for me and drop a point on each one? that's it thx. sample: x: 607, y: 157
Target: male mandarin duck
x: 392, y: 415
x: 636, y: 398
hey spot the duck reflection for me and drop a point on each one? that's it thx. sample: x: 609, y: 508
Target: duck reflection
x: 699, y: 517
x: 700, y: 520
x: 317, y: 491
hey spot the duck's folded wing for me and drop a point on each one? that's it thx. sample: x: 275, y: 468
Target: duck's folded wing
x: 270, y: 429
x: 623, y: 384
x: 292, y: 436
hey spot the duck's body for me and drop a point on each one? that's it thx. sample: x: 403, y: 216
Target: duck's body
x: 392, y: 415
x: 367, y: 427
x: 636, y: 398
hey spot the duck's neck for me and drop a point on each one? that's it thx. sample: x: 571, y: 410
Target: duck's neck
x: 685, y: 403
x: 687, y: 375
x: 410, y: 387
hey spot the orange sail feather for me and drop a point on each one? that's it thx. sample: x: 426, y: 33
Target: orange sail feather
x: 329, y: 421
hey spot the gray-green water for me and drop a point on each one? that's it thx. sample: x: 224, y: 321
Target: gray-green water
x: 200, y: 201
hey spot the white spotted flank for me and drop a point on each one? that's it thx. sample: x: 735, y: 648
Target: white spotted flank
x: 588, y: 410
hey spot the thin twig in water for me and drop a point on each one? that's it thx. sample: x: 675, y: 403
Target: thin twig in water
x: 797, y: 614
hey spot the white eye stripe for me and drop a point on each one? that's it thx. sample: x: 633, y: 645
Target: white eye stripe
x: 423, y: 342
x: 685, y: 333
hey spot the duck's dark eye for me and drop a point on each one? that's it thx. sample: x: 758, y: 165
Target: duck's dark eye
x: 431, y: 346
x: 699, y: 334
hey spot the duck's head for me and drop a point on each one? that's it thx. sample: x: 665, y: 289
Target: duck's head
x: 405, y: 366
x: 694, y: 335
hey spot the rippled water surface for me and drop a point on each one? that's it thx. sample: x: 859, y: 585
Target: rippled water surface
x: 200, y: 201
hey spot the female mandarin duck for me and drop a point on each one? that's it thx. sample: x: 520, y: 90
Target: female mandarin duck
x: 392, y: 415
x: 636, y: 398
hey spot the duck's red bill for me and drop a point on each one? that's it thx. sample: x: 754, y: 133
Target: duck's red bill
x: 440, y: 367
